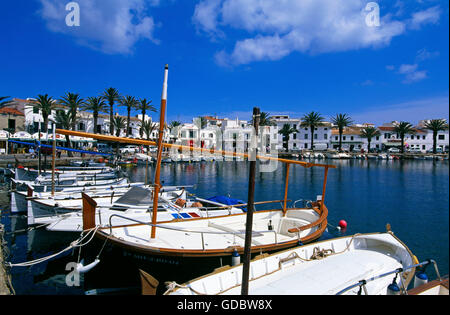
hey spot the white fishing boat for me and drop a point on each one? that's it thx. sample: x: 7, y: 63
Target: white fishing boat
x: 372, y: 157
x: 371, y: 264
x: 332, y: 155
x: 19, y: 197
x: 142, y: 159
x: 173, y: 205
x: 55, y: 208
x: 344, y: 156
x: 67, y: 184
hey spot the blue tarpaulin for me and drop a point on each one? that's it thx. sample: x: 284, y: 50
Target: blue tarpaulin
x: 37, y: 144
x: 228, y: 201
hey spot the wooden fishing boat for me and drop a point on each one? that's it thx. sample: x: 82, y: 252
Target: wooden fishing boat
x: 371, y: 264
x: 196, y: 241
x: 173, y: 205
x: 19, y: 198
x: 27, y: 174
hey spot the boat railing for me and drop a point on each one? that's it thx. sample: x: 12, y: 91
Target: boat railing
x: 362, y: 284
x: 202, y: 233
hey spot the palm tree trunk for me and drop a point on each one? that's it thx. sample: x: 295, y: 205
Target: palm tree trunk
x: 128, y: 121
x: 340, y: 139
x: 69, y: 153
x: 403, y: 144
x: 111, y: 117
x: 141, y: 132
x: 312, y: 138
x: 434, y: 142
x: 45, y: 127
x: 369, y: 140
x: 95, y: 122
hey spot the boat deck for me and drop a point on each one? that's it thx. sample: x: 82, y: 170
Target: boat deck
x: 215, y: 233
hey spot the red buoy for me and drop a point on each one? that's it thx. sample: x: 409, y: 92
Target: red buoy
x: 343, y: 224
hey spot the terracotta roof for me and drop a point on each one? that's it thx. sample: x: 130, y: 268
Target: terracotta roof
x: 347, y: 131
x: 212, y: 118
x: 11, y: 111
x: 382, y: 128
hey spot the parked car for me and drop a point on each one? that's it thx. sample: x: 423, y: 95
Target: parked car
x: 438, y: 150
x: 394, y: 150
x: 128, y: 149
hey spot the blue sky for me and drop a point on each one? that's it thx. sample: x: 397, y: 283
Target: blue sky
x: 227, y: 56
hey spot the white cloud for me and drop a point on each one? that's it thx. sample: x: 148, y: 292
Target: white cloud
x: 277, y: 28
x: 112, y: 26
x: 428, y: 16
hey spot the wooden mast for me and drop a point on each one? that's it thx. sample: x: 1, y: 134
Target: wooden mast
x: 53, y: 160
x: 251, y: 205
x: 160, y: 148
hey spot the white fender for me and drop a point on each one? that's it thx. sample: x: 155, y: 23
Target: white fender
x: 83, y: 269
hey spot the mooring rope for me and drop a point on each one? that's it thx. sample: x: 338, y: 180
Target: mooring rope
x: 74, y: 244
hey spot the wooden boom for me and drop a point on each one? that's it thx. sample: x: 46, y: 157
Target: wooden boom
x: 185, y: 147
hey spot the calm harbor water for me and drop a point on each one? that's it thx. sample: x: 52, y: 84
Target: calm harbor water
x: 412, y: 196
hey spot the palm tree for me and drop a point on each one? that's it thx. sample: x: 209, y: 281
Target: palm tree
x: 341, y: 121
x: 402, y: 129
x: 129, y: 102
x: 265, y: 120
x: 74, y: 102
x: 112, y: 96
x: 436, y: 125
x: 286, y: 131
x: 312, y: 121
x: 369, y: 133
x: 45, y: 104
x: 119, y: 124
x: 4, y: 103
x: 96, y: 105
x: 148, y: 128
x: 144, y: 106
x: 64, y: 120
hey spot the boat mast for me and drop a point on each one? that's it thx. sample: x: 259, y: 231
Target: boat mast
x: 251, y: 205
x: 160, y: 148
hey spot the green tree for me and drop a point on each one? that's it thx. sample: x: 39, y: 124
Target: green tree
x: 402, y: 129
x: 286, y: 132
x: 341, y: 121
x: 73, y: 102
x: 144, y: 106
x: 96, y: 105
x: 112, y: 96
x: 130, y: 103
x: 436, y: 125
x: 312, y: 120
x: 45, y: 104
x: 265, y: 120
x: 369, y: 133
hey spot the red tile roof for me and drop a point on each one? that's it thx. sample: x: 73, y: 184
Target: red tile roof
x: 10, y: 111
